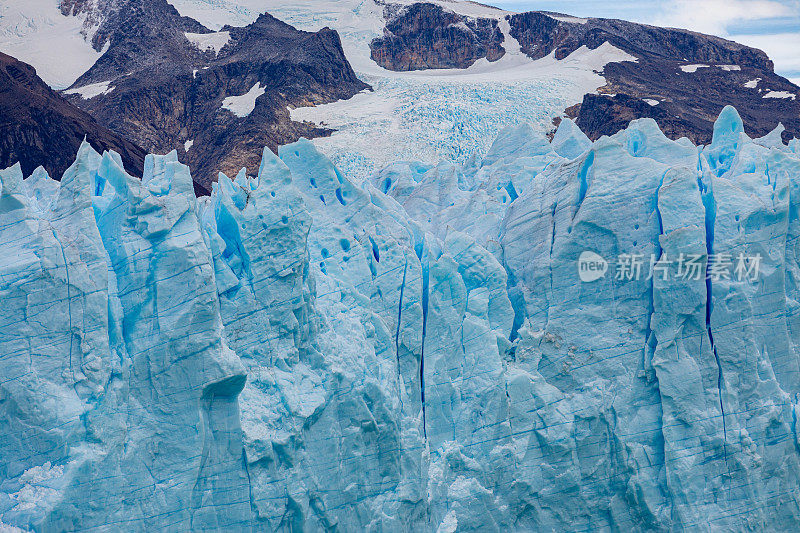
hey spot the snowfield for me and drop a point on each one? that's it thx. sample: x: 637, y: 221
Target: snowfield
x: 243, y: 105
x: 88, y: 92
x: 215, y: 41
x: 35, y: 31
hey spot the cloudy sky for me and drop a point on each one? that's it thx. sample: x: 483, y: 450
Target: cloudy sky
x: 771, y: 25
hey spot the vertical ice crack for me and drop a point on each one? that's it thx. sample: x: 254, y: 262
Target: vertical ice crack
x: 550, y: 266
x: 710, y: 206
x: 253, y: 509
x: 69, y: 301
x: 658, y: 252
x: 585, y: 177
x: 422, y: 254
x: 400, y: 318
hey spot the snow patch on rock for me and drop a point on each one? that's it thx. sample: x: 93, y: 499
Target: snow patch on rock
x: 780, y: 94
x: 214, y: 41
x: 243, y: 105
x: 693, y: 68
x: 92, y: 90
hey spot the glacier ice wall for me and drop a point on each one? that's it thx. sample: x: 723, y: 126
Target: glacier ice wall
x: 416, y: 352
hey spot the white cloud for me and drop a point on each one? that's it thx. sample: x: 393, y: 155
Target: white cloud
x: 780, y: 47
x: 714, y: 16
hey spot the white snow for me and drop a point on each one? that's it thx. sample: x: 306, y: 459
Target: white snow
x: 752, y: 83
x: 90, y: 91
x: 729, y: 68
x: 243, y: 105
x: 188, y: 144
x: 567, y: 18
x: 5, y: 528
x: 780, y: 94
x: 36, y: 491
x: 692, y: 68
x: 450, y: 113
x: 651, y: 101
x: 215, y: 41
x: 35, y: 31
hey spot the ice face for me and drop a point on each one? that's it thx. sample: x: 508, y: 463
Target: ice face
x: 419, y: 352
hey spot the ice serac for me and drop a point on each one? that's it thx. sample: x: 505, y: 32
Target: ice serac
x: 415, y: 353
x: 119, y: 396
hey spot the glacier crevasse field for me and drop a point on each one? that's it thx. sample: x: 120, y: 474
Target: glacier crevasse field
x: 412, y: 353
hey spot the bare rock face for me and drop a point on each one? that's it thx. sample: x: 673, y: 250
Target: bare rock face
x: 424, y: 36
x: 176, y: 83
x: 540, y: 33
x: 39, y: 127
x: 682, y: 79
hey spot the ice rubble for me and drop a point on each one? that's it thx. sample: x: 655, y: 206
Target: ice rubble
x: 298, y: 352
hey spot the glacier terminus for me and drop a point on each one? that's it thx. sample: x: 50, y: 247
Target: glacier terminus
x: 299, y: 351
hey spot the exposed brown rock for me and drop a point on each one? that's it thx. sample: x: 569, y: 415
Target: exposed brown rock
x: 39, y: 127
x: 423, y: 36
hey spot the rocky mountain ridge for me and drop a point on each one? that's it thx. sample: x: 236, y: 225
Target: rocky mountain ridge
x: 167, y: 82
x: 423, y: 36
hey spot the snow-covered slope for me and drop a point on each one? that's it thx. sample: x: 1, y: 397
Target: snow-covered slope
x: 452, y: 113
x: 298, y: 352
x: 58, y: 46
x: 429, y: 114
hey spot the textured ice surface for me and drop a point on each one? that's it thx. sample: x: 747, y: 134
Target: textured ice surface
x: 417, y: 353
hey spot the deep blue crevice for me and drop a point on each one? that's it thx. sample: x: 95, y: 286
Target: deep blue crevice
x: 400, y: 318
x: 584, y: 179
x: 710, y: 205
x: 375, y: 251
x: 339, y: 197
x: 512, y: 191
x: 424, y: 259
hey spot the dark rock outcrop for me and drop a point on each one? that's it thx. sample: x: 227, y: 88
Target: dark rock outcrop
x: 167, y: 91
x: 687, y: 103
x: 39, y: 127
x: 423, y: 36
x: 540, y: 33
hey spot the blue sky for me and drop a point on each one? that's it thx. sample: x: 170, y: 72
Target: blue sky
x: 771, y: 25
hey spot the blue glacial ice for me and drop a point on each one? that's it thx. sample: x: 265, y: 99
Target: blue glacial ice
x: 298, y: 352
